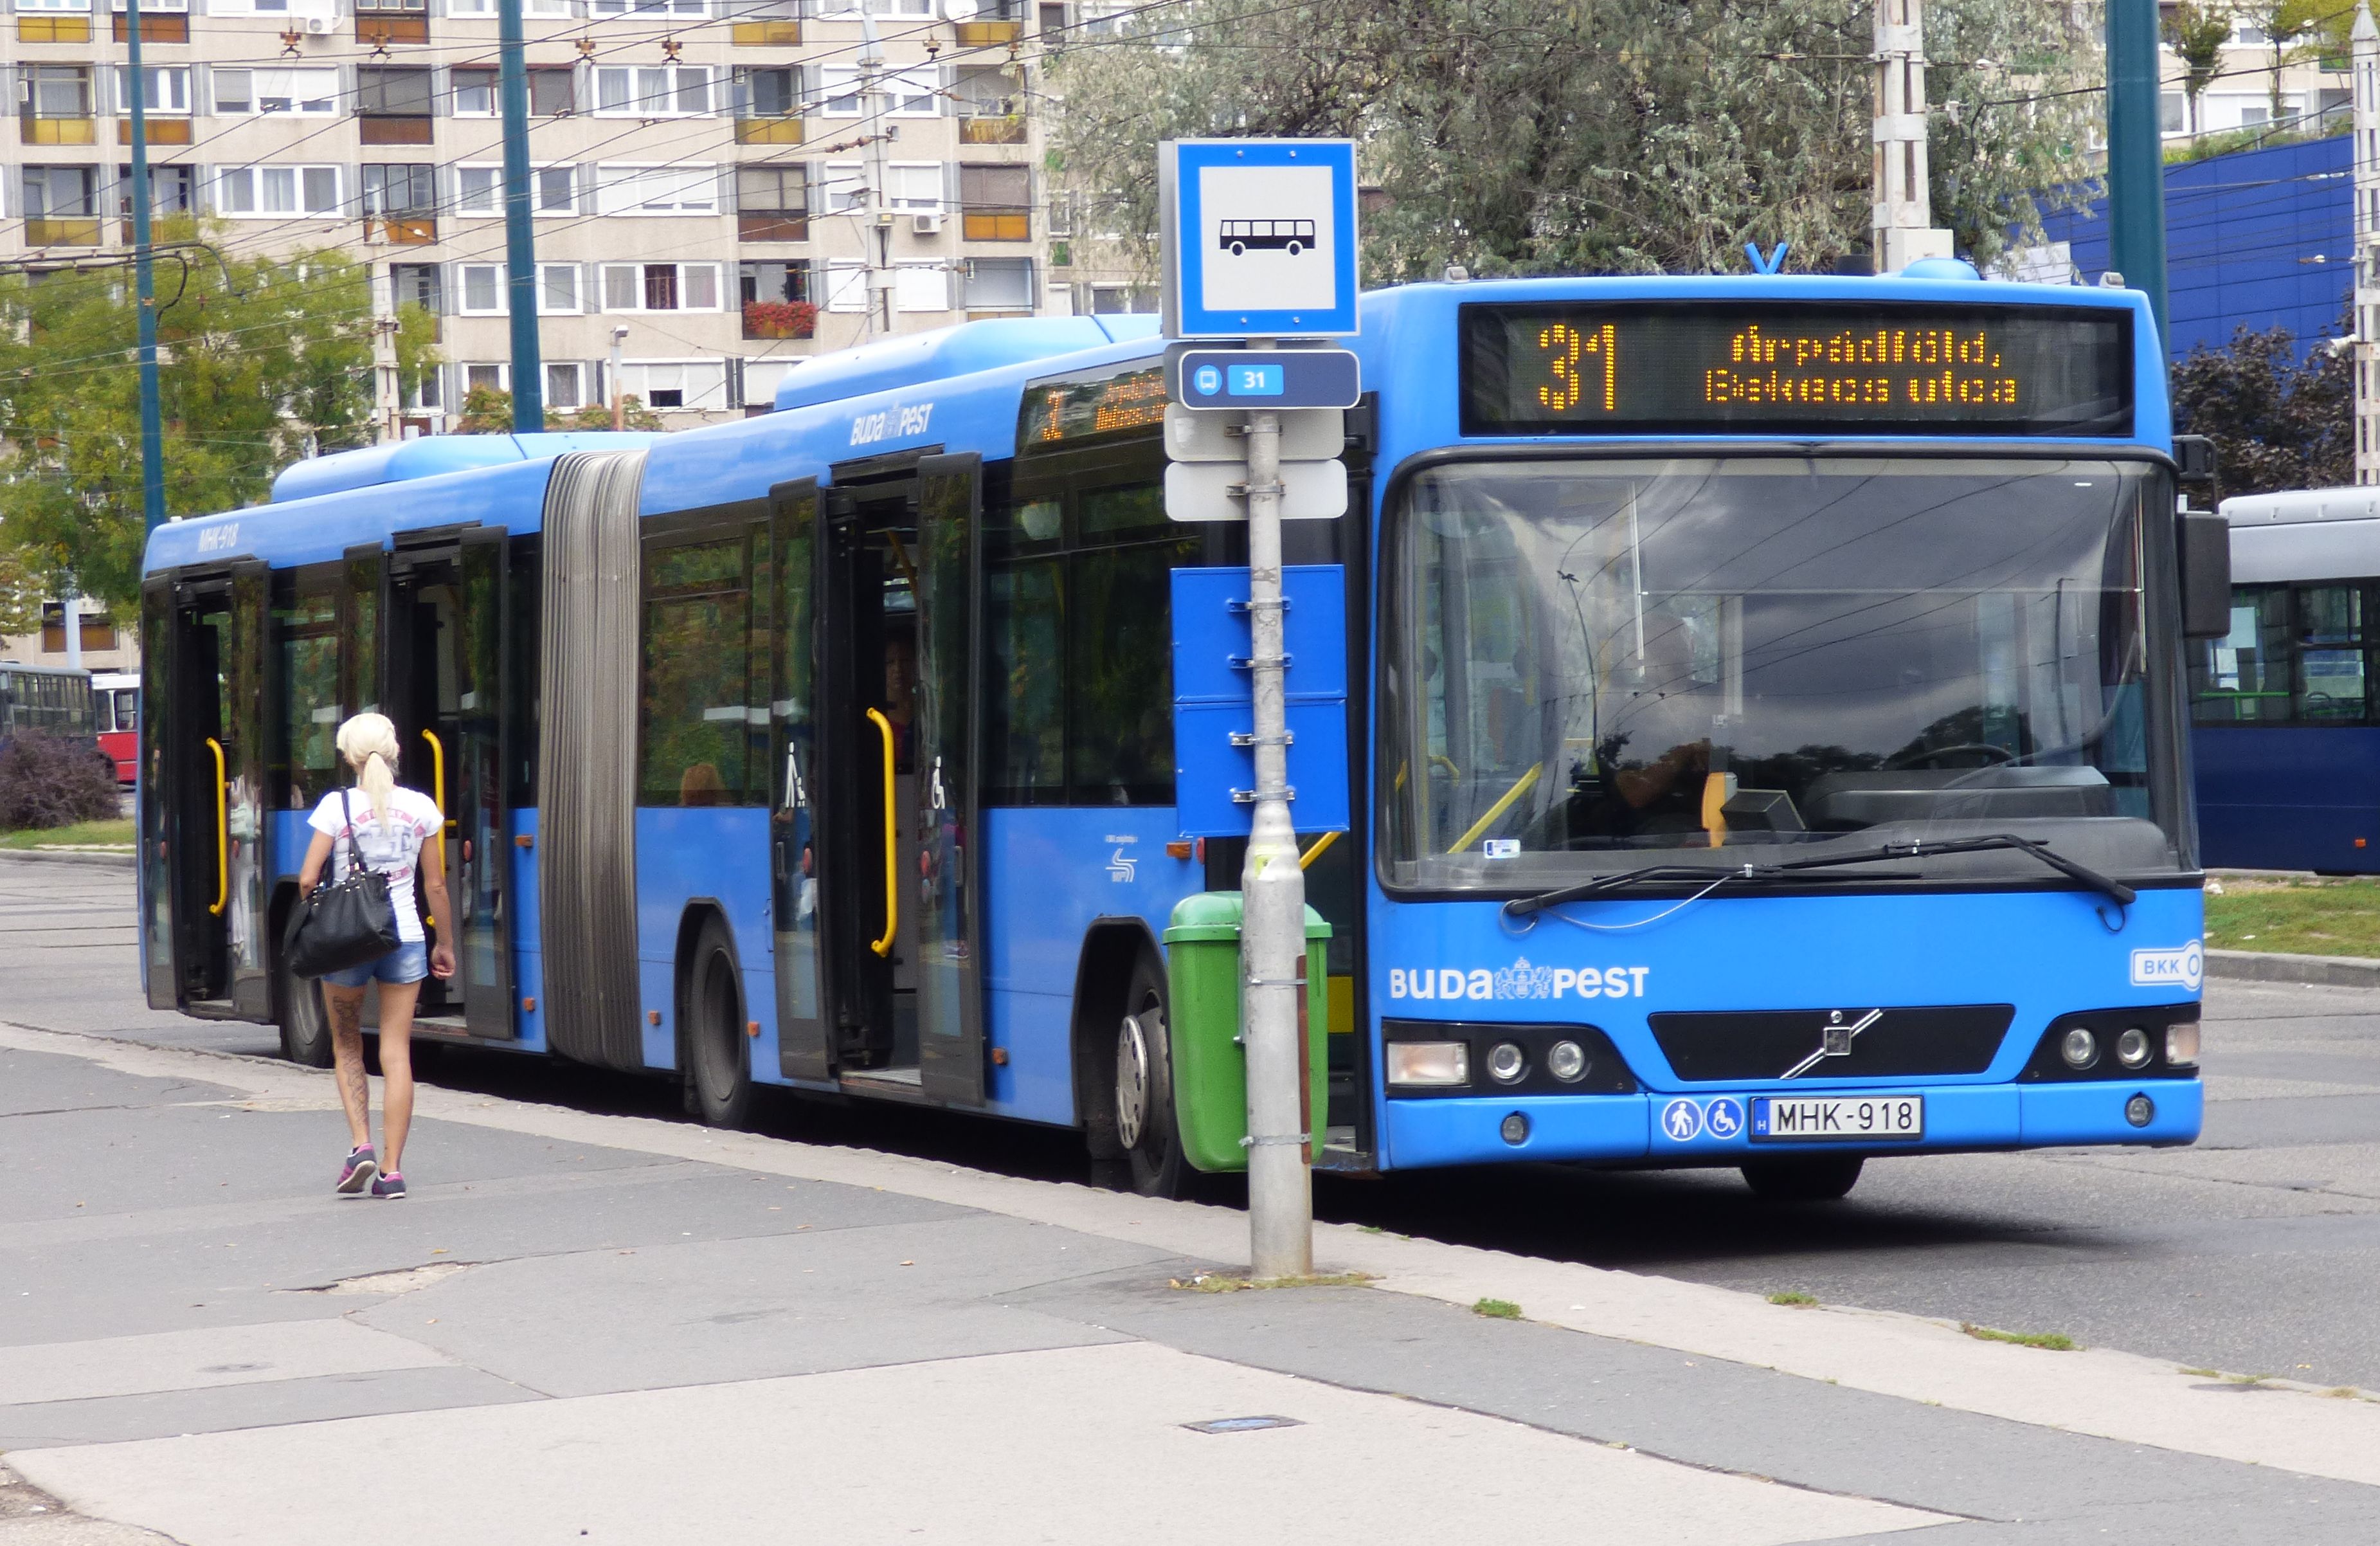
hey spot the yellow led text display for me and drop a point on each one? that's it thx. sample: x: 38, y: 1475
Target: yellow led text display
x: 1566, y: 347
x: 1877, y: 367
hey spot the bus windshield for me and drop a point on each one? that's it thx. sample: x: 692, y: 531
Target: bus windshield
x: 1596, y: 666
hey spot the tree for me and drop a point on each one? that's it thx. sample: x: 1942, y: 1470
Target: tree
x: 2278, y: 421
x: 2197, y: 31
x: 1567, y: 136
x: 486, y: 411
x: 260, y: 361
x: 2283, y: 22
x: 633, y: 415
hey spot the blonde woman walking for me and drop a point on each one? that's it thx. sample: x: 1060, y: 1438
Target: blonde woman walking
x: 396, y: 831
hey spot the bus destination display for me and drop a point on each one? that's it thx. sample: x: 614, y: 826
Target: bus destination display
x: 1826, y: 369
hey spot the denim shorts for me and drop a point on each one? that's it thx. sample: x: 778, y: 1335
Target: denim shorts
x: 406, y: 964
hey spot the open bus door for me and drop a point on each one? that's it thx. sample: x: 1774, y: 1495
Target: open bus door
x: 446, y: 639
x: 892, y: 838
x: 203, y: 792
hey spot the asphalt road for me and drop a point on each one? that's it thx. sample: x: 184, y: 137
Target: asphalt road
x: 2255, y: 1252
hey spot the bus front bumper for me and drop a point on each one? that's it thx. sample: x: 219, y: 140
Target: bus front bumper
x: 1647, y: 1128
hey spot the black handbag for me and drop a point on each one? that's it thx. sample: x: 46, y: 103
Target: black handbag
x: 345, y: 924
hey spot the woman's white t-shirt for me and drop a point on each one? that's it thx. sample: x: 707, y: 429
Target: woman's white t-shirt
x: 393, y: 849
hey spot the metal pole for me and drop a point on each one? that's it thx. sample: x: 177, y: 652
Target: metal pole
x: 874, y: 108
x: 1272, y: 920
x: 619, y: 403
x: 153, y: 425
x: 2135, y: 152
x: 520, y: 244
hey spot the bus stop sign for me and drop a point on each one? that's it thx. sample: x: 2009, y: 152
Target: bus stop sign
x: 1258, y: 237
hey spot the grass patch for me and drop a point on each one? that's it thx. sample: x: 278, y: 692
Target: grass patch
x: 1223, y: 1283
x: 2203, y: 1373
x: 2054, y: 1342
x: 1497, y: 1310
x: 81, y: 835
x: 2315, y: 916
x: 1793, y: 1296
x: 2342, y: 1393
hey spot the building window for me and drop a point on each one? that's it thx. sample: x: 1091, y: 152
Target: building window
x: 386, y: 91
x: 483, y: 288
x: 691, y: 384
x: 399, y: 189
x: 910, y: 94
x: 554, y: 92
x: 566, y: 386
x: 55, y: 90
x: 481, y: 189
x: 772, y: 204
x: 773, y: 93
x: 476, y: 92
x: 914, y: 185
x: 846, y: 186
x: 656, y: 190
x: 776, y: 299
x: 661, y: 287
x: 997, y: 202
x: 846, y: 287
x: 646, y: 7
x: 999, y: 283
x: 168, y: 89
x: 170, y: 189
x: 256, y: 192
x: 490, y: 378
x: 680, y: 92
x: 558, y: 289
x: 303, y: 93
x: 416, y: 285
x: 921, y: 287
x: 55, y: 191
x: 1115, y: 301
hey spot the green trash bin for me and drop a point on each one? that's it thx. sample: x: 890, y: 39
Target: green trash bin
x: 1210, y: 1068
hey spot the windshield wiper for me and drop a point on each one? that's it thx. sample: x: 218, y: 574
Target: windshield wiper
x: 1652, y: 874
x: 2123, y: 894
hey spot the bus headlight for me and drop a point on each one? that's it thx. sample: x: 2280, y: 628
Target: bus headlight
x: 2182, y: 1045
x: 2079, y: 1048
x: 2132, y: 1047
x: 1440, y: 1064
x: 1566, y: 1061
x: 1507, y: 1062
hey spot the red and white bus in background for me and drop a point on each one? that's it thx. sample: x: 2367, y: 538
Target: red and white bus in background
x: 115, y: 711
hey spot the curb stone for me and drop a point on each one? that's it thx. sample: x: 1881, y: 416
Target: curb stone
x: 2260, y: 965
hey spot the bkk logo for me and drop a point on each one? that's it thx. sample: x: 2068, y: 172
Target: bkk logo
x: 2185, y: 967
x: 1518, y: 981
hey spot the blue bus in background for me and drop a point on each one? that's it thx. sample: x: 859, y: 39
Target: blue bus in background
x: 1766, y: 743
x: 2286, y: 730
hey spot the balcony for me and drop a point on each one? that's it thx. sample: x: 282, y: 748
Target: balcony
x: 987, y: 34
x: 992, y: 130
x: 161, y: 131
x: 780, y: 319
x: 154, y: 28
x: 765, y: 34
x: 376, y: 32
x: 401, y: 230
x: 59, y: 131
x: 61, y: 231
x: 55, y: 29
x: 773, y: 226
x: 769, y: 131
x: 996, y: 225
x: 395, y: 128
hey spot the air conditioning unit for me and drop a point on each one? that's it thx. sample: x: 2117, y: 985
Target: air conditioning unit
x: 928, y: 225
x: 320, y: 25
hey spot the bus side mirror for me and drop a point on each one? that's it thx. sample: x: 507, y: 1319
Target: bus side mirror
x: 2194, y: 456
x: 2206, y: 548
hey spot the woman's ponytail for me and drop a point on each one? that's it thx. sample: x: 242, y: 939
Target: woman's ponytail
x: 368, y: 743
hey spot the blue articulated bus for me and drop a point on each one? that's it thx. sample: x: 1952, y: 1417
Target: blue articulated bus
x: 1765, y: 734
x: 2286, y: 723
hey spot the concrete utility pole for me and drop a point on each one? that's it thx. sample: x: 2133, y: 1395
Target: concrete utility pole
x: 619, y: 403
x: 520, y: 243
x: 1272, y: 917
x: 2135, y: 153
x: 388, y: 392
x: 875, y: 113
x: 1902, y: 213
x: 144, y: 283
x: 2367, y: 40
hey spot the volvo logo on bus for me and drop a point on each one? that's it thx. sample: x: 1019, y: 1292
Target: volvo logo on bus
x: 1835, y: 1040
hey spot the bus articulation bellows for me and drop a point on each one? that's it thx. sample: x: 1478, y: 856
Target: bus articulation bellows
x: 1766, y: 731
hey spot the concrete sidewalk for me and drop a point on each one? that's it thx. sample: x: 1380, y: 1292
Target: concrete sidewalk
x: 585, y: 1327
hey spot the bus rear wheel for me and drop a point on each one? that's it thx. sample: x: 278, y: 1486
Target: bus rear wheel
x: 1144, y: 1089
x: 305, y: 1028
x: 718, y: 1054
x: 1807, y: 1178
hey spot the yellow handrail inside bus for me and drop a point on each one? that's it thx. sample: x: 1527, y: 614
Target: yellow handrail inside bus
x: 1495, y: 812
x: 1307, y: 858
x: 892, y: 870
x: 438, y: 775
x: 223, y: 831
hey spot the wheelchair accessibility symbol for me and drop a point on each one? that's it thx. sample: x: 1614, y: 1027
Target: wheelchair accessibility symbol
x: 1681, y: 1120
x: 1724, y: 1119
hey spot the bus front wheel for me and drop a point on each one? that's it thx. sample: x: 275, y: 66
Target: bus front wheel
x: 1144, y: 1089
x: 1805, y: 1178
x: 718, y: 1058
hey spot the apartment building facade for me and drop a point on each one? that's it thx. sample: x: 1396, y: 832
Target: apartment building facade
x: 2312, y: 77
x: 699, y: 171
